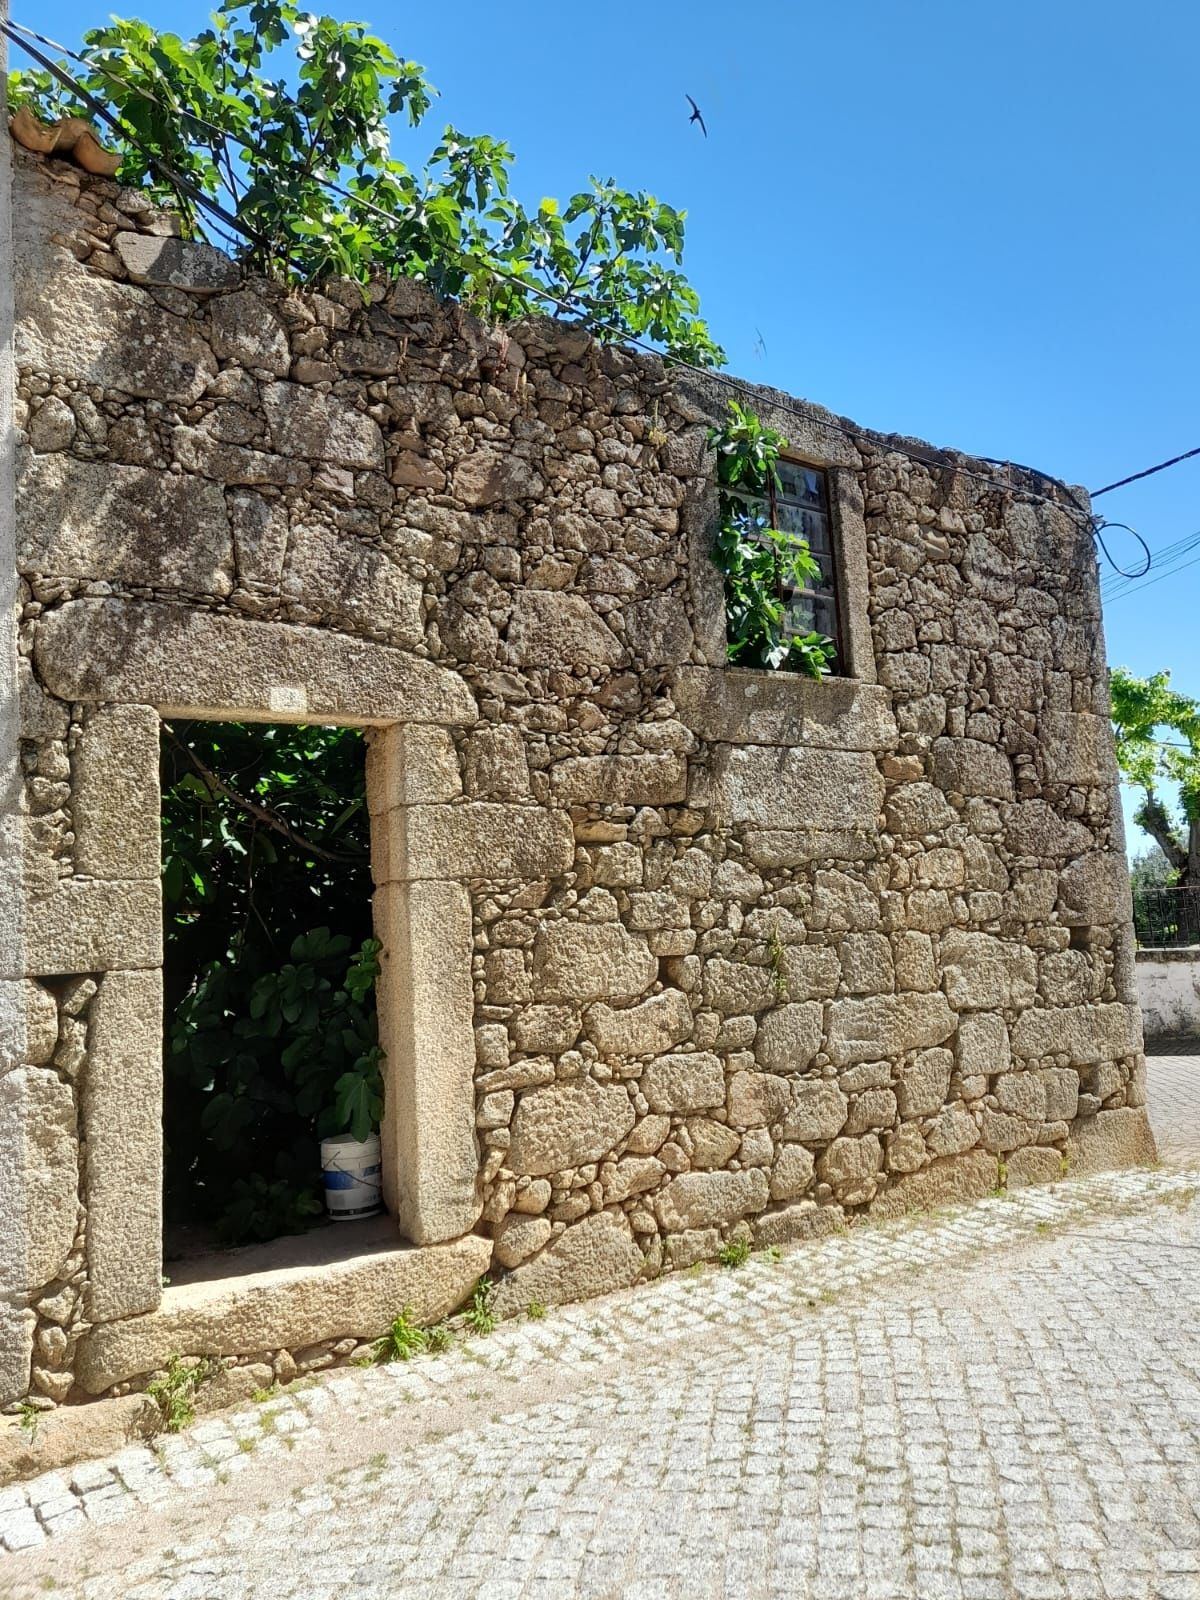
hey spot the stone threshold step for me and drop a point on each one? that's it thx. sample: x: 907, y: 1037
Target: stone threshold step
x: 285, y: 1295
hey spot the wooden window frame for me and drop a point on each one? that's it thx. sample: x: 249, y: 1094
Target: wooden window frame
x: 769, y: 503
x: 834, y: 591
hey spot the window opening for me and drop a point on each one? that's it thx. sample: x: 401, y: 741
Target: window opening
x: 800, y: 505
x: 774, y: 546
x: 269, y: 975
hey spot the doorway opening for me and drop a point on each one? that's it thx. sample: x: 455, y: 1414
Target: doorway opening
x: 270, y: 1028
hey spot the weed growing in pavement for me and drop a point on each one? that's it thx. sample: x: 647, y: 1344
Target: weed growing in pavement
x: 734, y: 1253
x: 403, y: 1340
x: 535, y: 1310
x: 29, y: 1416
x: 479, y: 1316
x: 438, y: 1338
x: 175, y: 1392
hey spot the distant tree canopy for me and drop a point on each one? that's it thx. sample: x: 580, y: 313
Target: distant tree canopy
x: 1150, y: 869
x: 267, y: 145
x: 1158, y: 740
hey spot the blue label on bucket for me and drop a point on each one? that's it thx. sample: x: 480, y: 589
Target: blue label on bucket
x: 337, y: 1178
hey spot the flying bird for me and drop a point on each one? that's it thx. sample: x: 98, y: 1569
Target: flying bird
x: 695, y: 116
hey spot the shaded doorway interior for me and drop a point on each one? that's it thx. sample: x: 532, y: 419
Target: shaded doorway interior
x: 270, y: 1032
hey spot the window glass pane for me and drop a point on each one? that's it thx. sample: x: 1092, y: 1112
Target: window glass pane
x: 809, y: 524
x: 825, y: 615
x: 802, y: 483
x: 800, y: 613
x: 825, y: 581
x: 818, y: 538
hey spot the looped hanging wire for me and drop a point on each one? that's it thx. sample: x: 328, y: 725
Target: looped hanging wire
x: 1100, y: 523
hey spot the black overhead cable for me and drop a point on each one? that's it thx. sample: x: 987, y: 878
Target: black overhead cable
x: 1098, y: 526
x: 724, y: 380
x: 1147, y: 472
x: 1170, y: 572
x: 99, y: 109
x: 1169, y: 557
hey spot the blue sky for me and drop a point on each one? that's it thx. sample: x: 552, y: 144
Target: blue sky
x: 976, y: 224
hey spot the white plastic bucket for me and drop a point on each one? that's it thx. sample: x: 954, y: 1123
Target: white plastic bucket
x: 351, y: 1172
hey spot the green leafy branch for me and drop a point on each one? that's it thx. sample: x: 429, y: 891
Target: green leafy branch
x: 269, y: 105
x: 759, y: 562
x: 1142, y: 708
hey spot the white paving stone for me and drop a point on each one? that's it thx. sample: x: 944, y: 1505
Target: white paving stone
x: 1002, y: 1401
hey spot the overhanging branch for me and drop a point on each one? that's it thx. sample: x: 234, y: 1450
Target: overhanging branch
x: 260, y: 813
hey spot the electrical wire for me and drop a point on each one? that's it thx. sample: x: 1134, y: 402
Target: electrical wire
x: 1169, y: 555
x: 1114, y: 585
x: 932, y: 457
x: 1147, y: 472
x: 1149, y: 583
x: 1099, y: 524
x: 99, y: 109
x: 1167, y: 550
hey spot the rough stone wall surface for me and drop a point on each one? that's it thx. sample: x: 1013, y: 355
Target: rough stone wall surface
x: 1168, y: 984
x: 750, y: 955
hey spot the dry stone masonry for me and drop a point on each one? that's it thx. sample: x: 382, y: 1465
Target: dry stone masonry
x: 674, y: 953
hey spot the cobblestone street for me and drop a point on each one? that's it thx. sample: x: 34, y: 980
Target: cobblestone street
x: 1003, y: 1401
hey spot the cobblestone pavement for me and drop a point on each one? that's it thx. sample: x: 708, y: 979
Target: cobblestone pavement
x: 1003, y: 1401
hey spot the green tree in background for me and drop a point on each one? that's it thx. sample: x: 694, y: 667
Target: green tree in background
x: 1158, y: 740
x: 271, y: 1039
x: 266, y: 107
x: 1151, y: 870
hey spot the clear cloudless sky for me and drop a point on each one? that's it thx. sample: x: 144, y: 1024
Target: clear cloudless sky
x: 973, y: 223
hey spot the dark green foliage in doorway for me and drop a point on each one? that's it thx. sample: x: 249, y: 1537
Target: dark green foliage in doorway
x: 269, y: 969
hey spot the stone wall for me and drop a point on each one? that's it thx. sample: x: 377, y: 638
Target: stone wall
x: 674, y: 953
x: 1168, y: 985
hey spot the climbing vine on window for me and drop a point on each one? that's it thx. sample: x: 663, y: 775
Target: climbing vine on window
x: 762, y: 565
x: 270, y: 104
